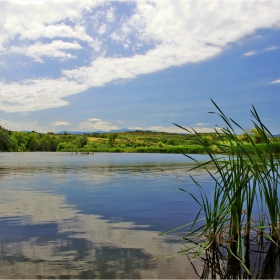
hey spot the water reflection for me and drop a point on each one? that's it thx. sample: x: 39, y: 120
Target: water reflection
x: 100, y: 216
x: 42, y: 236
x: 262, y: 260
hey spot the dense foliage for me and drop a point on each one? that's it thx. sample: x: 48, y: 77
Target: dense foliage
x: 136, y: 141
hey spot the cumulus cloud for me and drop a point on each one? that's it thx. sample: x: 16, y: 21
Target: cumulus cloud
x: 54, y: 49
x: 33, y: 20
x: 58, y: 30
x: 94, y: 120
x: 173, y: 33
x: 20, y: 126
x: 33, y: 95
x: 94, y: 124
x: 60, y: 123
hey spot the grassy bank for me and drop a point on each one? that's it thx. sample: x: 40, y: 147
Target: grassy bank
x: 193, y: 149
x: 169, y: 150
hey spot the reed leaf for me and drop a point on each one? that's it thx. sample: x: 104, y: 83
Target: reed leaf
x: 246, y: 177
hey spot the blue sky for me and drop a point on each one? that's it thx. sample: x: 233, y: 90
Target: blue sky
x: 105, y: 65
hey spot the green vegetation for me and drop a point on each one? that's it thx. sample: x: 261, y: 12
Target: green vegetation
x: 246, y: 180
x: 132, y: 142
x: 126, y: 142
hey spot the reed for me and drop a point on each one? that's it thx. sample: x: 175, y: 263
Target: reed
x: 246, y: 178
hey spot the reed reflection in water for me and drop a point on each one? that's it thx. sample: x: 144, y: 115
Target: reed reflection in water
x: 261, y: 259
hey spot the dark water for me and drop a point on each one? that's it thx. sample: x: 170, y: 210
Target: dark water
x: 94, y: 216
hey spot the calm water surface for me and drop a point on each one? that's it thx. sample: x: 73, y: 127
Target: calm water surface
x: 94, y: 216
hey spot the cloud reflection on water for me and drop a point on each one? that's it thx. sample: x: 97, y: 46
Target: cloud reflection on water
x: 62, y: 242
x: 92, y: 216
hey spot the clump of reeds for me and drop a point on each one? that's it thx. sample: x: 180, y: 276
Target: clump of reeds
x: 246, y: 178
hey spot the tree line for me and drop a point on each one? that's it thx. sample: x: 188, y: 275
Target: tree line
x: 133, y: 141
x: 18, y: 141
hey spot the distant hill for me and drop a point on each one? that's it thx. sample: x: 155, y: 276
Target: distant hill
x: 122, y: 130
x: 75, y: 132
x: 99, y: 131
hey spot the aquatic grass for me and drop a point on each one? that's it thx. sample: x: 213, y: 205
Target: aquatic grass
x: 246, y: 177
x: 268, y: 175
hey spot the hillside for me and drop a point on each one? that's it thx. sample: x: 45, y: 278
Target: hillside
x: 129, y: 142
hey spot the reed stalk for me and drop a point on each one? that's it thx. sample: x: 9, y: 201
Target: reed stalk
x: 246, y: 178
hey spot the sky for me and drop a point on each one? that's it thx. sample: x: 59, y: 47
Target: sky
x: 86, y: 65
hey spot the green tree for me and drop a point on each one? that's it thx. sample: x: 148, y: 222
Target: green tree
x: 160, y: 144
x: 33, y: 142
x: 257, y: 137
x: 44, y: 143
x: 81, y: 141
x: 252, y: 134
x: 14, y: 144
x: 62, y: 145
x: 245, y: 136
x: 111, y: 139
x: 171, y: 142
x: 207, y: 140
x: 5, y: 141
x: 22, y: 138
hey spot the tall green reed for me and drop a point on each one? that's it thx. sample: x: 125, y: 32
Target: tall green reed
x: 246, y: 177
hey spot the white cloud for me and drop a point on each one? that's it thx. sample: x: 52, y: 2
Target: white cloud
x: 251, y: 53
x: 32, y: 20
x: 174, y: 33
x: 206, y: 22
x: 273, y: 48
x: 60, y: 123
x: 105, y: 70
x: 110, y: 16
x: 33, y: 95
x: 94, y: 120
x: 201, y: 123
x: 171, y: 24
x: 20, y: 126
x: 102, y: 29
x: 53, y: 49
x: 53, y: 31
x: 275, y: 82
x: 94, y: 124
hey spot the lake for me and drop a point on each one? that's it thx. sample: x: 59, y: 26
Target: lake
x: 64, y: 215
